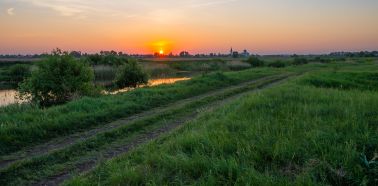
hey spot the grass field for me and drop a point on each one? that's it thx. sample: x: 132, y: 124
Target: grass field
x: 313, y: 124
x: 159, y: 68
x: 26, y: 125
x: 83, y: 154
x: 293, y: 134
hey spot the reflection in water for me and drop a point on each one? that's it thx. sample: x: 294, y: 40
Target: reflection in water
x: 156, y: 82
x: 8, y: 97
x: 152, y: 82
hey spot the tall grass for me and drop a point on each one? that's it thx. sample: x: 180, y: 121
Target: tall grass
x: 207, y: 65
x: 345, y: 80
x: 104, y: 74
x: 49, y: 164
x: 22, y: 126
x: 290, y: 135
x: 5, y: 76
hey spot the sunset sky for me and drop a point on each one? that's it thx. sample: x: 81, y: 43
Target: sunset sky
x: 198, y: 26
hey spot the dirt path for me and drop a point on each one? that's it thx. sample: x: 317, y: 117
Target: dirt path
x: 151, y: 135
x: 63, y: 142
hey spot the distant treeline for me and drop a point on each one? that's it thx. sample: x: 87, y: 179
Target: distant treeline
x: 106, y: 58
x: 97, y: 56
x: 356, y: 54
x: 11, y: 63
x: 77, y: 54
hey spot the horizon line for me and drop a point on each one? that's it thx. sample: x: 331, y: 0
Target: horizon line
x: 195, y: 53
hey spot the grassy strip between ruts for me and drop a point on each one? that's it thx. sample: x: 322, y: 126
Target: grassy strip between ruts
x: 293, y: 134
x: 22, y: 126
x: 52, y: 164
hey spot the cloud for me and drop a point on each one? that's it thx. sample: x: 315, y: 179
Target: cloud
x: 65, y: 9
x: 83, y: 9
x: 159, y: 11
x: 211, y: 3
x: 10, y: 11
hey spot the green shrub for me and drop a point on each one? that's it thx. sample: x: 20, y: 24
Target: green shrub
x: 322, y: 60
x: 255, y: 61
x: 300, y: 61
x: 277, y: 64
x: 18, y: 73
x: 130, y: 75
x: 57, y: 80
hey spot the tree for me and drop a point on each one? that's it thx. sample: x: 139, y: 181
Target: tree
x: 300, y: 61
x: 76, y: 54
x: 18, y: 73
x: 277, y: 64
x: 57, y: 80
x: 255, y: 61
x: 130, y: 74
x: 184, y: 54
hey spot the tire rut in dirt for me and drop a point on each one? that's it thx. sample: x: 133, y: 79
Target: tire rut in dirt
x: 63, y: 142
x: 147, y: 137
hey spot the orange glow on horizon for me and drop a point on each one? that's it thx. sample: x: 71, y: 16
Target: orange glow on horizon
x: 161, y: 47
x: 197, y: 26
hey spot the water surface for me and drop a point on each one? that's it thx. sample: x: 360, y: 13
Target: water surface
x: 153, y: 82
x: 8, y: 97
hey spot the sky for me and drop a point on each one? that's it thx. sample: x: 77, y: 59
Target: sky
x: 197, y: 26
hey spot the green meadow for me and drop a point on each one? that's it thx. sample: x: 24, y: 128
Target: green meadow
x: 26, y: 125
x: 319, y: 129
x: 304, y: 123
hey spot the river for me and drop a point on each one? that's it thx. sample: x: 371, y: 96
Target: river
x: 8, y: 97
x: 151, y: 83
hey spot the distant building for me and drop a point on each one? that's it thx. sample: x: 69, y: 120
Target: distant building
x: 235, y: 54
x: 245, y: 53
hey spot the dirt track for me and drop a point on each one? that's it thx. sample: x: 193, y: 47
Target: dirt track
x: 63, y: 142
x: 147, y: 137
x: 141, y: 138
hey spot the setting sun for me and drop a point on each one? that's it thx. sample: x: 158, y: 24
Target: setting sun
x: 161, y: 47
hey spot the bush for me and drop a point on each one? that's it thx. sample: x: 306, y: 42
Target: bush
x: 322, y: 60
x: 300, y: 61
x: 255, y: 61
x: 57, y: 80
x: 277, y: 64
x: 130, y: 75
x: 18, y: 73
x: 106, y: 58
